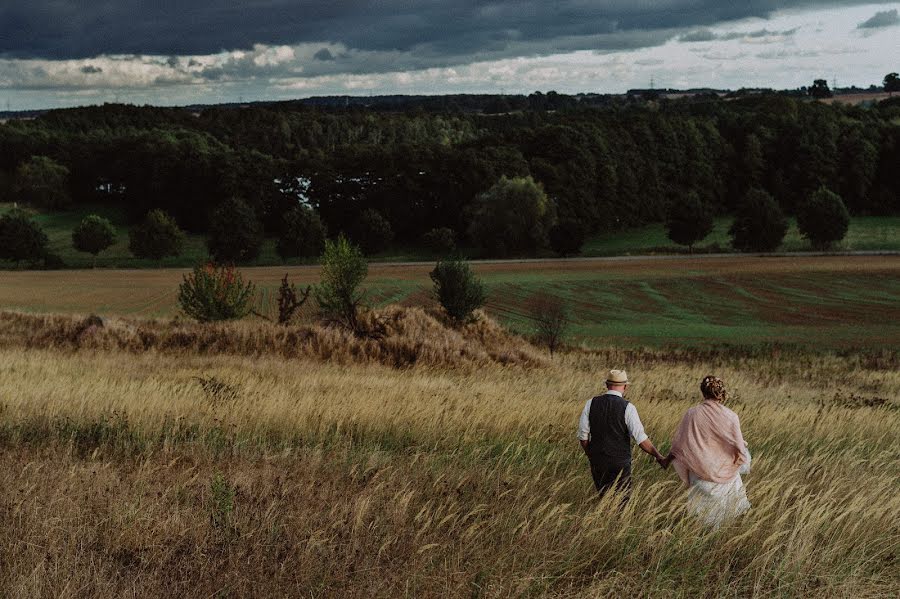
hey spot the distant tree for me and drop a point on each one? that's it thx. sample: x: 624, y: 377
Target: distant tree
x: 372, y: 232
x: 441, y: 241
x: 689, y: 220
x: 759, y: 224
x: 93, y: 235
x: 551, y: 319
x: 156, y: 237
x: 302, y: 233
x: 823, y: 218
x: 212, y: 293
x: 235, y: 233
x: 819, y: 89
x: 891, y: 83
x: 43, y: 183
x: 339, y: 297
x: 513, y: 216
x: 457, y: 289
x: 21, y: 238
x: 566, y: 237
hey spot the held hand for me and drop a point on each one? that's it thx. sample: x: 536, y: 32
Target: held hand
x: 664, y: 462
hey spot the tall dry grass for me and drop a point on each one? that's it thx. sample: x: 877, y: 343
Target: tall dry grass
x: 235, y: 473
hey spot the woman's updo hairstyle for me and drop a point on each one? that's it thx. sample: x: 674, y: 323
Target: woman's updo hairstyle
x: 712, y: 387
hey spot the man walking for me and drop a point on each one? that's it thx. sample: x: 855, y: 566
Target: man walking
x: 606, y: 424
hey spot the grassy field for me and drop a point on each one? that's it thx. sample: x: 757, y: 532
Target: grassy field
x: 865, y: 233
x: 836, y: 302
x: 168, y: 472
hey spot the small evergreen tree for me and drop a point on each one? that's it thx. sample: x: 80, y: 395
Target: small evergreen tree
x: 21, y: 238
x: 157, y: 237
x: 211, y: 293
x: 689, y: 220
x: 567, y: 237
x: 372, y: 232
x: 235, y: 234
x: 823, y: 218
x: 93, y: 235
x: 759, y: 224
x: 302, y: 234
x: 457, y: 289
x: 441, y: 241
x: 339, y: 297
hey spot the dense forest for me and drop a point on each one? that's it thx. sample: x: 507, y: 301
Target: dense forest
x: 422, y: 166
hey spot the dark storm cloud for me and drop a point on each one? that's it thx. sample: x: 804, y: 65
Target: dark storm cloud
x: 440, y: 31
x: 705, y: 35
x: 885, y: 18
x: 91, y: 69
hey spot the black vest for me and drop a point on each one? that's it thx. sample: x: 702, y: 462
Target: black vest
x: 610, y: 440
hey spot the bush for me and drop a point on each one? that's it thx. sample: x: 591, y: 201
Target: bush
x: 441, y: 241
x: 21, y: 238
x: 372, y: 232
x: 43, y: 183
x: 567, y: 237
x: 457, y: 289
x: 343, y: 270
x: 303, y: 233
x: 689, y: 220
x: 759, y: 224
x: 513, y: 216
x: 551, y: 319
x: 289, y: 301
x: 212, y: 293
x: 157, y: 237
x: 93, y: 235
x: 823, y: 218
x: 235, y: 234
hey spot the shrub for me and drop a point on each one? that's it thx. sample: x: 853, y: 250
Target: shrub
x: 43, y: 182
x: 823, y: 218
x: 343, y: 270
x: 157, y: 237
x: 212, y: 293
x: 759, y: 223
x: 21, y: 238
x: 457, y: 289
x: 289, y: 301
x: 551, y: 319
x: 567, y: 237
x: 93, y: 235
x: 235, y: 234
x: 303, y: 234
x: 513, y: 216
x: 372, y: 232
x: 689, y: 220
x: 441, y: 241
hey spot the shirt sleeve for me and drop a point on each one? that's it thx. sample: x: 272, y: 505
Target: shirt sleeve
x: 633, y: 422
x: 584, y: 424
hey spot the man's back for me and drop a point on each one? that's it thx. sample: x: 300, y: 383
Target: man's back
x: 610, y: 437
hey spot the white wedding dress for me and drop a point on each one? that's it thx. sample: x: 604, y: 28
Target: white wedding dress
x: 715, y: 503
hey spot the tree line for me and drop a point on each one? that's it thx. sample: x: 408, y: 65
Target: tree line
x: 551, y: 169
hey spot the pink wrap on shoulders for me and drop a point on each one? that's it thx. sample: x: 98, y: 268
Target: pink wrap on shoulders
x: 708, y: 443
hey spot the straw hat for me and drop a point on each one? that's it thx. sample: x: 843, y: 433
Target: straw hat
x: 617, y: 377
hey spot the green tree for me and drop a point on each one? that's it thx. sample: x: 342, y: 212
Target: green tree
x: 566, y: 237
x: 891, y: 83
x: 157, y: 237
x: 93, y: 235
x: 21, y: 238
x: 457, y: 289
x: 43, y: 183
x: 372, y: 232
x: 340, y: 299
x: 819, y: 89
x: 823, y: 218
x: 513, y: 216
x: 441, y: 241
x: 689, y: 220
x: 759, y: 223
x: 235, y: 233
x: 212, y: 293
x: 302, y: 234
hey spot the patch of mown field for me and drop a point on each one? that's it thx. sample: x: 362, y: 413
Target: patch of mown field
x: 835, y: 302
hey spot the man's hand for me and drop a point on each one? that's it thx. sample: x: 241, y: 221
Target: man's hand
x: 664, y: 461
x: 584, y: 446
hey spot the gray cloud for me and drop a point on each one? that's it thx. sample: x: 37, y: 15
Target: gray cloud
x: 885, y: 18
x: 705, y: 35
x: 324, y: 54
x: 91, y: 69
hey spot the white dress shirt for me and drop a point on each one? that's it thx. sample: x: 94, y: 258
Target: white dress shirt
x: 632, y: 421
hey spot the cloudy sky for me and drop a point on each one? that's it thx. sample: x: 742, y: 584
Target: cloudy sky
x: 72, y: 52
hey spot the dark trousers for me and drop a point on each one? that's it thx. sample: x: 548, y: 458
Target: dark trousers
x: 606, y: 476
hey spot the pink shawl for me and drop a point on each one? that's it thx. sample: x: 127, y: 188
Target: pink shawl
x: 708, y: 443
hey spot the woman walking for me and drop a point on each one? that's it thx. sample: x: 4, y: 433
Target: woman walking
x: 709, y: 454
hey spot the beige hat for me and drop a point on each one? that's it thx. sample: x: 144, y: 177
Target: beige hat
x: 617, y: 377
